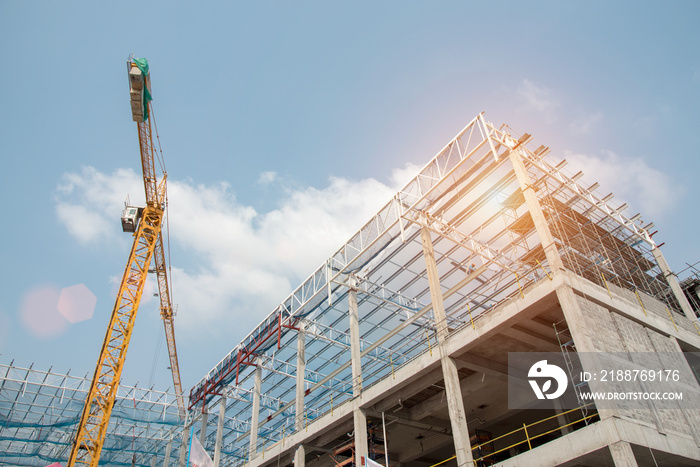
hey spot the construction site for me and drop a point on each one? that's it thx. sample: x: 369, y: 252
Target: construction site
x: 395, y: 350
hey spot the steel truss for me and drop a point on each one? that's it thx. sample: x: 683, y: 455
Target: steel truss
x: 487, y: 252
x: 40, y: 410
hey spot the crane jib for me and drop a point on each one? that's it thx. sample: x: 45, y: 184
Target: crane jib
x: 147, y: 248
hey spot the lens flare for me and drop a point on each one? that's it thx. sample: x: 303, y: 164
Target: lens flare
x: 77, y: 303
x: 39, y: 312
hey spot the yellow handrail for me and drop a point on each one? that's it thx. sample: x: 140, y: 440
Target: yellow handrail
x: 673, y: 320
x: 528, y: 438
x: 545, y: 271
x: 533, y: 437
x: 606, y: 283
x: 519, y: 288
x: 641, y: 303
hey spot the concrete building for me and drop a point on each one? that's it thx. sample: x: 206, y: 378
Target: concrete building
x: 401, y: 348
x: 396, y: 350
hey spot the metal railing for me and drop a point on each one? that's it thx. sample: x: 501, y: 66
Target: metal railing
x: 527, y: 433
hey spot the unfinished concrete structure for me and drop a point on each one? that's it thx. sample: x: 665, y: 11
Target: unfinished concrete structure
x: 397, y: 347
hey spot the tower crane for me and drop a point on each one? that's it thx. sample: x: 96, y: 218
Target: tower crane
x: 146, y: 224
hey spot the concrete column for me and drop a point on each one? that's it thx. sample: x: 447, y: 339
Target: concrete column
x: 256, y: 410
x: 355, y: 349
x: 561, y: 419
x: 458, y: 419
x: 533, y: 205
x: 360, y: 424
x: 574, y: 319
x: 301, y: 368
x: 168, y: 449
x: 584, y: 346
x: 455, y: 403
x: 220, y: 430
x: 184, y: 446
x: 153, y: 461
x: 203, y: 429
x: 300, y: 456
x: 622, y: 454
x: 359, y: 416
x: 434, y: 283
x: 565, y: 294
x: 673, y: 282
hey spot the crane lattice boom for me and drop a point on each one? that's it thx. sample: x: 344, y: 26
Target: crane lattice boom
x: 148, y: 244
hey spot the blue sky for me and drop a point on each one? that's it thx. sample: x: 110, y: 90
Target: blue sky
x: 285, y: 125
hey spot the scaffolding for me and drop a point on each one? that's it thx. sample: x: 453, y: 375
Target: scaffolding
x: 487, y: 252
x: 40, y: 410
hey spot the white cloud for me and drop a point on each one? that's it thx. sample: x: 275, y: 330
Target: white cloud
x: 400, y: 177
x: 90, y: 203
x: 539, y: 98
x: 585, y: 124
x: 82, y: 222
x: 232, y: 264
x: 631, y: 180
x: 266, y: 178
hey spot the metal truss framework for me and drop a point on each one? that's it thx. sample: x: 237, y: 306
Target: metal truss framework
x: 487, y: 252
x: 40, y: 410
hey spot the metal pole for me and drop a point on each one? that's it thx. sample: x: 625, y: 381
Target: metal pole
x: 386, y: 450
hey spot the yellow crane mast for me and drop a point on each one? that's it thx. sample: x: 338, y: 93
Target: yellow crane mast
x: 146, y: 223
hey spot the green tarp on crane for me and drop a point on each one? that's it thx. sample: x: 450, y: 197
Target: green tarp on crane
x: 142, y: 65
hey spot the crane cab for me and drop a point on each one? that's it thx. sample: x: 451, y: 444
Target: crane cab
x: 130, y: 218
